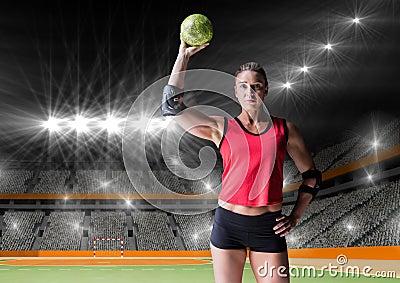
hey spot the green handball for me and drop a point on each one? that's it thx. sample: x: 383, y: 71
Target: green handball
x: 196, y: 30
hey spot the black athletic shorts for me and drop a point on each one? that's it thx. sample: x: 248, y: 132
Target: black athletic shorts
x: 237, y: 231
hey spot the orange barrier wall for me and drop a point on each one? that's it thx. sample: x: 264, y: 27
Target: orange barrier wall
x: 378, y: 253
x: 19, y: 253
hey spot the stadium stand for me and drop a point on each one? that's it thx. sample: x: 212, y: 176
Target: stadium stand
x: 386, y: 137
x: 52, y: 182
x: 121, y: 182
x: 195, y: 230
x: 321, y: 228
x: 362, y: 215
x: 107, y: 224
x: 169, y: 181
x: 361, y: 149
x: 14, y: 181
x: 349, y: 150
x: 154, y: 231
x: 391, y: 135
x: 387, y: 234
x: 210, y: 182
x: 325, y: 158
x: 20, y: 229
x: 90, y: 181
x: 363, y: 219
x: 365, y: 216
x: 63, y: 231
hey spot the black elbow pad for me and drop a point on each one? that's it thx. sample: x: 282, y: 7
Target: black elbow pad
x: 312, y: 173
x: 172, y: 101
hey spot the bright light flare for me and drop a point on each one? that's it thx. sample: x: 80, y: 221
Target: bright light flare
x: 79, y: 124
x: 52, y: 124
x: 356, y: 20
x: 149, y: 125
x: 287, y: 85
x: 304, y: 69
x: 111, y: 124
x: 328, y: 46
x: 157, y: 124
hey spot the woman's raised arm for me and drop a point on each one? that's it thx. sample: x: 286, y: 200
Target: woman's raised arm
x: 192, y: 120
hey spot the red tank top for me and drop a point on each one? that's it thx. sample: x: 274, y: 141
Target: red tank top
x: 253, y: 163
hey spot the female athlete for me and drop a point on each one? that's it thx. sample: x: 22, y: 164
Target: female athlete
x: 241, y: 222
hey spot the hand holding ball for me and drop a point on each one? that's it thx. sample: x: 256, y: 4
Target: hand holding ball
x: 196, y: 30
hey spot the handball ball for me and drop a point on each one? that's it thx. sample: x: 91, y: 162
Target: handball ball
x: 196, y: 30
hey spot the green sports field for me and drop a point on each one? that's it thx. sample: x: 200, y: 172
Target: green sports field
x: 168, y: 273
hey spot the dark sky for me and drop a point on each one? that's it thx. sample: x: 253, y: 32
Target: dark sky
x: 66, y: 57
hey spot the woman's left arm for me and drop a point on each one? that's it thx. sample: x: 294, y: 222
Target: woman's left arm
x: 304, y: 162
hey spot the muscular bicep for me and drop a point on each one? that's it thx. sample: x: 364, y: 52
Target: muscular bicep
x: 298, y: 150
x: 201, y: 125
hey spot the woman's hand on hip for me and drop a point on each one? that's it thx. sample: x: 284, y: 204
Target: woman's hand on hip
x: 285, y: 224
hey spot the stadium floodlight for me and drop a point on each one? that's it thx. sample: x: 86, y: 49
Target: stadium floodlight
x: 369, y: 176
x: 287, y: 85
x: 328, y: 46
x: 51, y: 124
x: 304, y: 69
x: 375, y: 143
x: 128, y: 202
x: 111, y: 124
x: 356, y: 20
x: 79, y: 124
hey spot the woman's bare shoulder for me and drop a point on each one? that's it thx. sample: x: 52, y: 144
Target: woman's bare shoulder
x: 219, y: 120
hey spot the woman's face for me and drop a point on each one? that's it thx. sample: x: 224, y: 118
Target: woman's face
x: 250, y: 89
